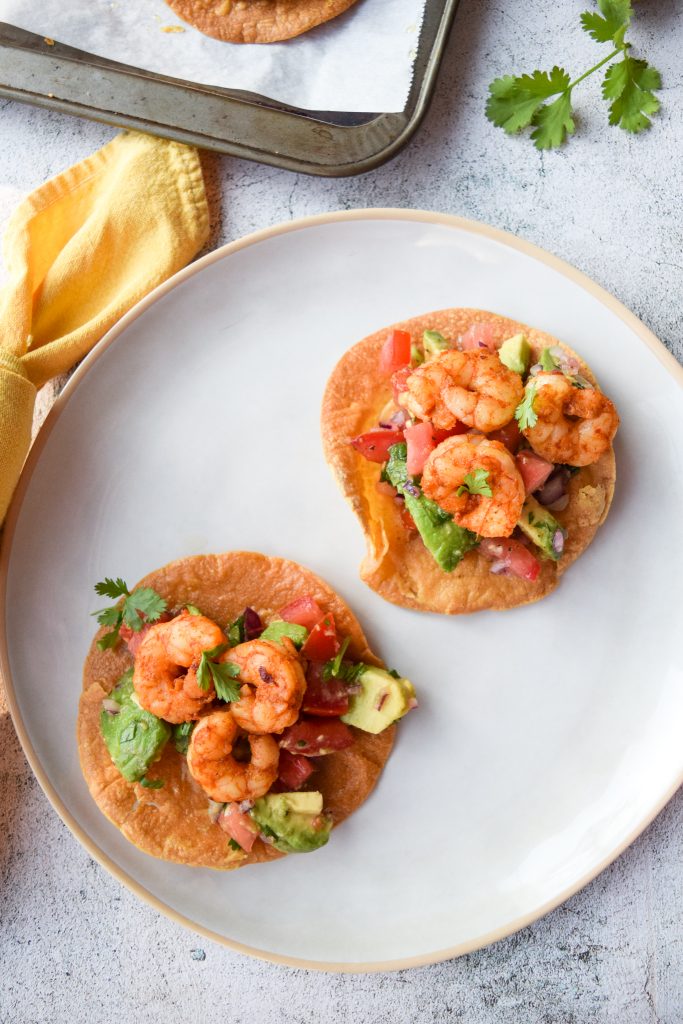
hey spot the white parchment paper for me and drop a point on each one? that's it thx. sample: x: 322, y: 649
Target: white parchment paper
x: 360, y: 61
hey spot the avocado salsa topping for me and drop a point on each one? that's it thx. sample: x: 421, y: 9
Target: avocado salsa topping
x: 252, y: 707
x: 480, y: 442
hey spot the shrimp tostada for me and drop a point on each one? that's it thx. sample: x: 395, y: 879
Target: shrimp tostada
x: 476, y: 453
x: 232, y: 711
x: 257, y: 21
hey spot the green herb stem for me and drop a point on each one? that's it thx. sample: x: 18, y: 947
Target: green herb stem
x: 596, y: 67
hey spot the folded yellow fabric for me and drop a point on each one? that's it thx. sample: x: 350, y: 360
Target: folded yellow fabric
x: 80, y: 251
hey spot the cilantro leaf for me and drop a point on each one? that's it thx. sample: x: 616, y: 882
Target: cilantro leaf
x: 611, y: 26
x: 629, y: 84
x: 152, y: 783
x: 222, y: 676
x: 143, y: 602
x: 335, y: 663
x: 476, y: 483
x: 233, y: 844
x: 193, y: 609
x: 513, y: 101
x: 524, y: 413
x: 553, y: 123
x: 111, y: 588
x: 181, y: 736
x: 548, y: 361
x: 111, y: 616
x: 108, y: 640
x: 235, y: 631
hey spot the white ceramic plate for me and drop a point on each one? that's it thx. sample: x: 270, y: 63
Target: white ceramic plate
x: 547, y: 736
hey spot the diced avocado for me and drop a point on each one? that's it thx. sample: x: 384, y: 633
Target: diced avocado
x: 542, y: 528
x: 416, y: 355
x: 515, y: 353
x: 381, y: 701
x: 434, y: 342
x: 134, y: 737
x: 277, y: 629
x: 181, y: 736
x: 445, y: 540
x: 294, y: 821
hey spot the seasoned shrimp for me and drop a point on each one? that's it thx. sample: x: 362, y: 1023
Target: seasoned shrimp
x: 211, y: 762
x: 474, y: 388
x: 165, y: 673
x: 273, y: 685
x: 460, y: 456
x: 573, y: 425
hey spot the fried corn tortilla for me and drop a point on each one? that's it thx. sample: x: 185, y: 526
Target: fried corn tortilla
x: 173, y: 822
x: 257, y: 21
x: 397, y: 565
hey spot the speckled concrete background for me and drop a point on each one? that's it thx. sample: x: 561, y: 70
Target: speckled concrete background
x: 74, y: 945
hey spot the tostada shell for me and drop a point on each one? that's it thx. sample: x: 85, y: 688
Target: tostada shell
x: 173, y: 822
x: 257, y: 21
x: 397, y: 565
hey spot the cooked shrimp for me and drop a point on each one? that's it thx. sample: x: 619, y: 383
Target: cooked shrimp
x: 212, y: 764
x: 273, y: 685
x: 165, y: 673
x: 474, y: 388
x: 574, y: 425
x: 461, y: 456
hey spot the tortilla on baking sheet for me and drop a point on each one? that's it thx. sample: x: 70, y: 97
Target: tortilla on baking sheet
x: 173, y: 822
x: 257, y: 21
x: 397, y: 565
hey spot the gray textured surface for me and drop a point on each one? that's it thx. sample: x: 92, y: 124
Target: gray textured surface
x: 74, y: 944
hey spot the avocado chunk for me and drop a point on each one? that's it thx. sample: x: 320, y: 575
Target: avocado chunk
x: 382, y: 700
x: 294, y: 821
x: 134, y: 737
x: 278, y: 628
x: 542, y: 528
x: 434, y: 342
x: 515, y: 353
x: 445, y: 540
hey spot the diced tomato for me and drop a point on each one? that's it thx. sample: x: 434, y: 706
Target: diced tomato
x: 375, y: 444
x: 441, y: 435
x: 480, y: 336
x: 328, y: 698
x: 509, y: 435
x: 322, y: 643
x: 420, y: 442
x: 399, y: 381
x: 533, y: 469
x: 133, y: 640
x: 406, y: 517
x: 315, y: 736
x: 515, y: 558
x: 294, y: 770
x: 304, y: 611
x: 395, y: 352
x: 240, y: 826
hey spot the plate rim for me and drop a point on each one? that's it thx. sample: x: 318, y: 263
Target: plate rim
x: 452, y: 221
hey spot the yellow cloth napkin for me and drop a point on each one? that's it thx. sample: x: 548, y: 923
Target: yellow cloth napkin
x: 80, y: 251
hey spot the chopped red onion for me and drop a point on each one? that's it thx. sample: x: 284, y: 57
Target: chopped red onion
x: 568, y: 364
x: 246, y: 805
x: 536, y: 368
x: 253, y: 627
x: 559, y: 505
x: 411, y: 489
x: 399, y: 419
x: 499, y: 567
x: 558, y: 542
x: 412, y: 704
x: 215, y: 810
x: 382, y: 701
x: 111, y: 706
x: 555, y: 486
x: 385, y: 426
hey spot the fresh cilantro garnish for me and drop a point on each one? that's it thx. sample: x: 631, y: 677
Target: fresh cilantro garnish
x: 152, y: 783
x: 235, y: 631
x: 181, y: 736
x: 517, y: 102
x: 476, y: 483
x: 548, y: 361
x: 193, y: 609
x: 140, y: 606
x: 234, y: 845
x: 335, y: 663
x: 347, y: 671
x: 394, y: 674
x: 223, y: 676
x: 524, y: 413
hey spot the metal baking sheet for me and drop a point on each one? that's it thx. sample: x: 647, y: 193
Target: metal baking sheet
x: 230, y: 121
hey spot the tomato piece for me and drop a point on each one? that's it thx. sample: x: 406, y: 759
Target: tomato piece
x: 512, y: 557
x: 294, y: 770
x: 399, y: 381
x: 533, y: 469
x: 315, y: 736
x: 240, y: 826
x: 304, y: 611
x: 328, y: 698
x: 510, y: 435
x: 480, y: 336
x: 375, y: 444
x: 322, y: 643
x: 441, y: 435
x: 395, y: 352
x: 420, y: 443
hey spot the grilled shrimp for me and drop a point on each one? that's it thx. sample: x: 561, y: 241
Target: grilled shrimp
x: 165, y: 673
x: 211, y: 762
x: 574, y: 425
x: 474, y: 388
x: 460, y: 456
x: 273, y: 685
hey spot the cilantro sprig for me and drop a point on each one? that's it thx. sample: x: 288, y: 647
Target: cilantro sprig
x: 521, y: 101
x: 337, y: 668
x: 525, y: 414
x: 222, y: 676
x: 476, y: 483
x: 140, y: 606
